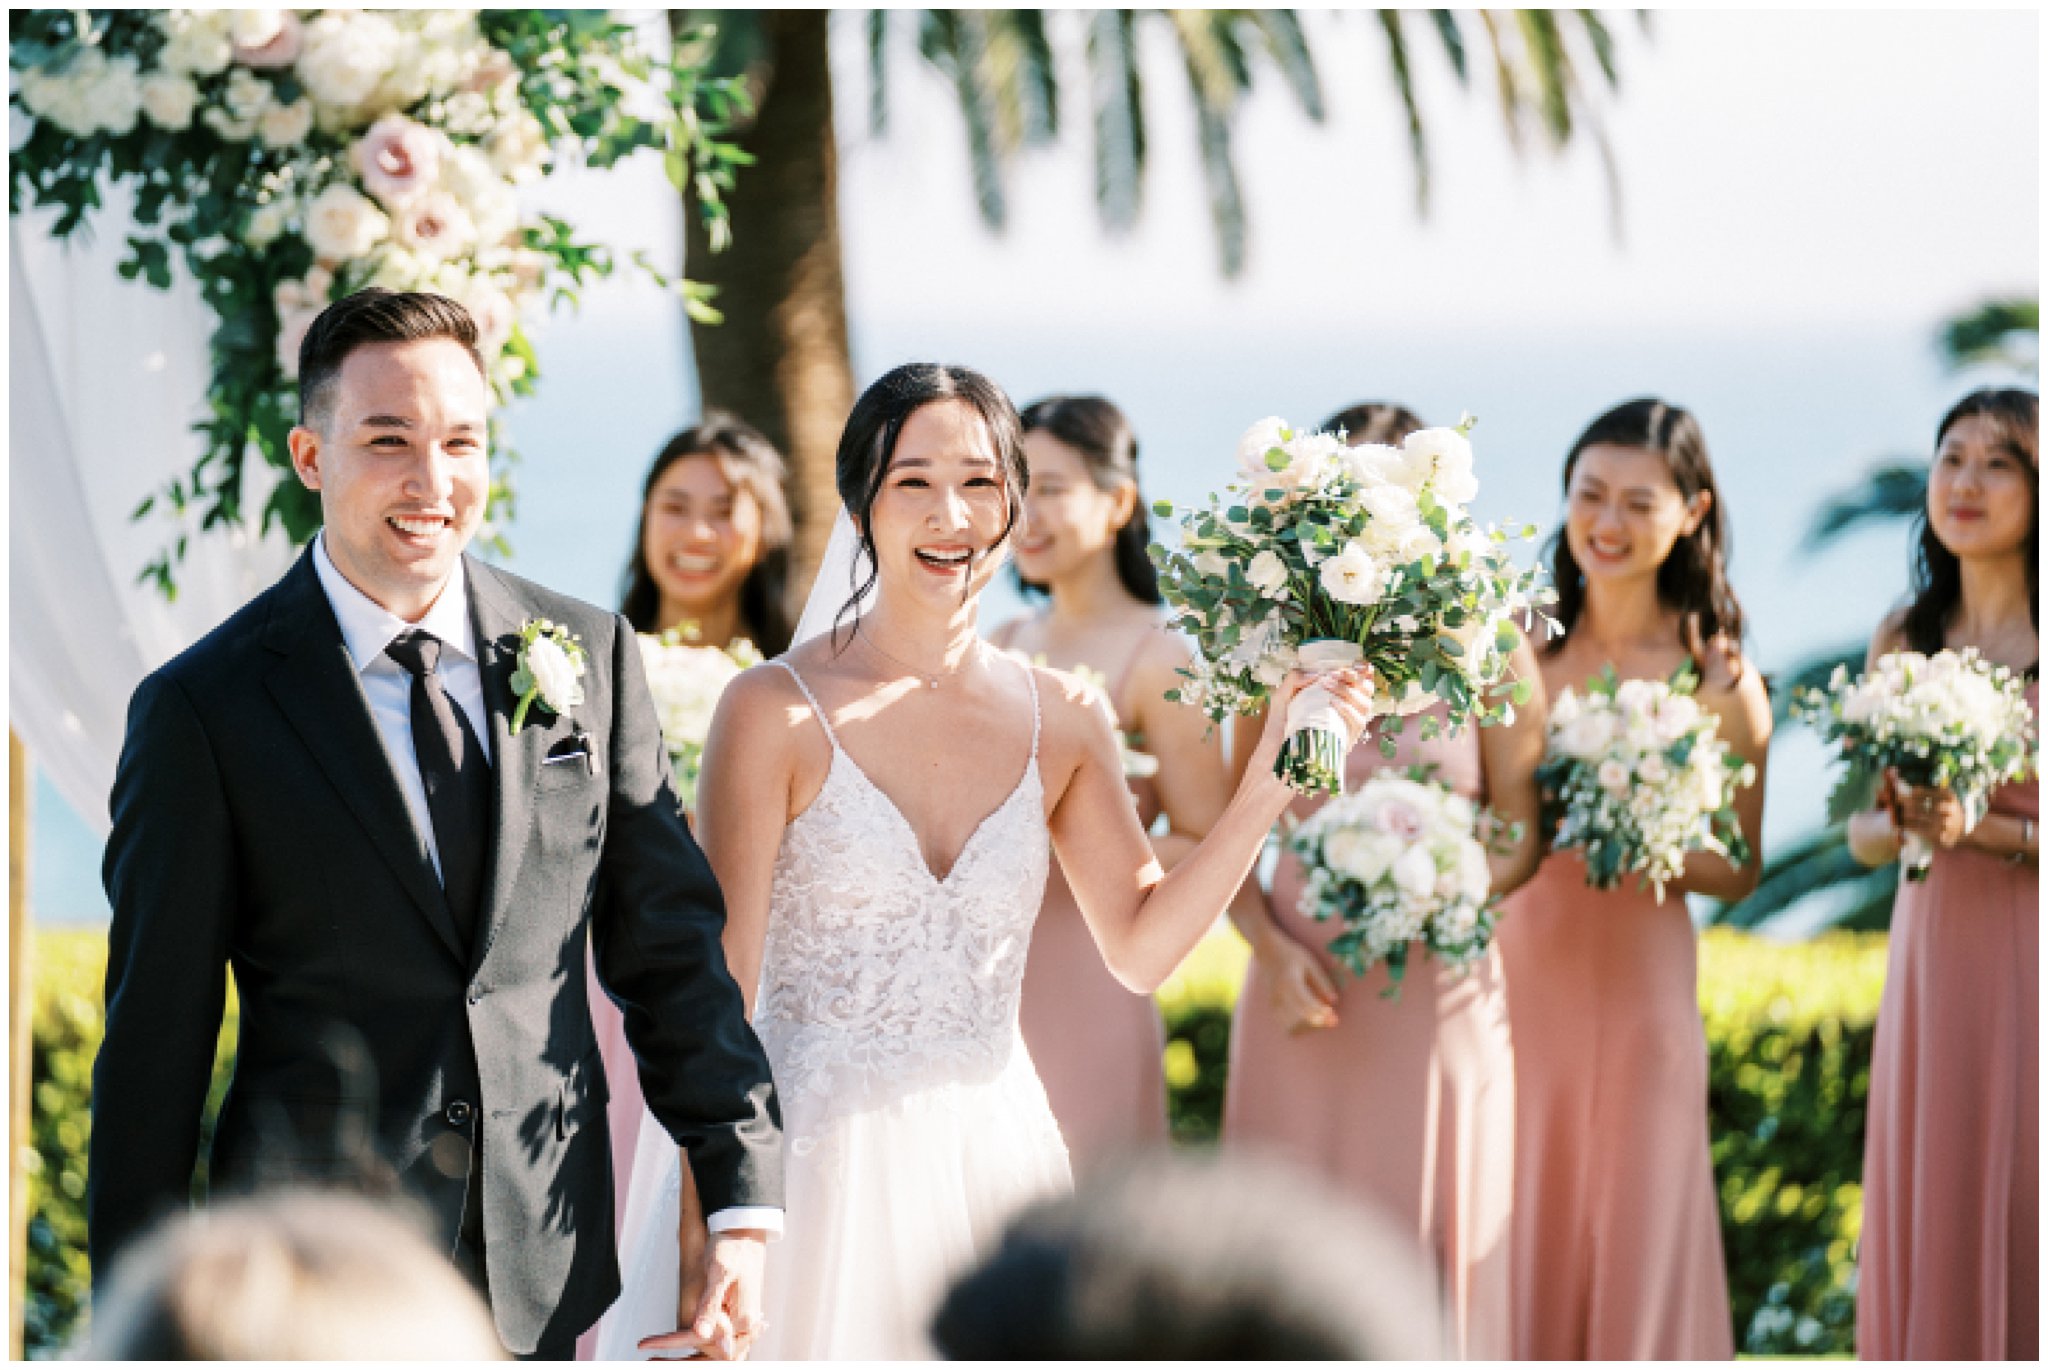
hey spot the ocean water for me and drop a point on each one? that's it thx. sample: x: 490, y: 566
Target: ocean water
x: 1789, y: 417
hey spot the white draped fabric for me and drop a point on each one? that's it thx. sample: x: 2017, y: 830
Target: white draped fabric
x: 105, y: 380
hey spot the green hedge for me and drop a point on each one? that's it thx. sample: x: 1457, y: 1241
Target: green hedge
x: 1789, y: 1030
x: 69, y: 970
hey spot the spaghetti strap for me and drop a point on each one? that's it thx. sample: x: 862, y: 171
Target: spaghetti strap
x: 1031, y: 679
x: 816, y: 710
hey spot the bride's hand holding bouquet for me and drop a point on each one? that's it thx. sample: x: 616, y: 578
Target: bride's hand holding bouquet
x: 1320, y: 555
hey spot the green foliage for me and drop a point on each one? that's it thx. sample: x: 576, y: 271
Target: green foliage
x: 1789, y: 1032
x: 69, y: 971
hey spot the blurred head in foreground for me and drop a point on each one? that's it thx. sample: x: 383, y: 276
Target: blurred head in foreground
x: 290, y: 1276
x: 1172, y: 1257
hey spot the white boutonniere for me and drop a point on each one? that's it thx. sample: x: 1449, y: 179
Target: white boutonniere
x: 551, y: 664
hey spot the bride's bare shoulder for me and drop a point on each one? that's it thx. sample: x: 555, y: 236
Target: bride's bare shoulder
x: 763, y: 703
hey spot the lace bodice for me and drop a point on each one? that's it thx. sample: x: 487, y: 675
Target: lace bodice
x: 879, y: 979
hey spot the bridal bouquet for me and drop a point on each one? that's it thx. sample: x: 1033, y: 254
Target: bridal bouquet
x: 1952, y: 720
x: 1634, y: 777
x: 1402, y: 860
x: 687, y: 681
x: 1320, y: 555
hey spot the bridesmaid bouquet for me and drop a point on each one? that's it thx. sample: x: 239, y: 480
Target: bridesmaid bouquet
x: 1952, y: 720
x: 686, y: 681
x: 1402, y: 860
x: 1320, y: 555
x: 1634, y: 777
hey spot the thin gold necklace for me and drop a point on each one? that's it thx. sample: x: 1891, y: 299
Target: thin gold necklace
x: 931, y: 681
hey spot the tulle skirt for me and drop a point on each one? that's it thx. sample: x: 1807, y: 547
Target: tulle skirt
x: 885, y: 1207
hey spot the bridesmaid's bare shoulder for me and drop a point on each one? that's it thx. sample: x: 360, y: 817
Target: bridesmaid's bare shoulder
x: 1890, y: 636
x: 1733, y: 687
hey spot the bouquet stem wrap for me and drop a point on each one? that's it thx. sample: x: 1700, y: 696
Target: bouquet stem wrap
x: 1918, y: 853
x: 1312, y: 758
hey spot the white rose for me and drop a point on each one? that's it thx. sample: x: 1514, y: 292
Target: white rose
x: 398, y: 269
x: 292, y: 327
x: 342, y: 224
x: 1446, y: 457
x: 1415, y: 873
x: 248, y: 95
x: 169, y: 100
x: 1586, y: 736
x: 1353, y: 577
x: 346, y: 56
x: 1267, y: 573
x: 1371, y: 463
x: 1212, y: 565
x: 225, y: 124
x: 1258, y: 439
x: 1392, y: 506
x: 266, y: 223
x: 198, y: 42
x: 254, y: 28
x: 519, y: 146
x: 556, y: 676
x: 1652, y: 769
x: 434, y: 226
x: 1613, y: 776
x: 492, y: 204
x: 115, y: 95
x: 283, y: 126
x: 1676, y: 716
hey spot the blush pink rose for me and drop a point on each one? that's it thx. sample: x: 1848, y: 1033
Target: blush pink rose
x: 398, y: 159
x: 279, y: 49
x: 1398, y: 819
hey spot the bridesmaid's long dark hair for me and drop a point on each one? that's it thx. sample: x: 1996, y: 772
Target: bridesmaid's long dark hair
x: 868, y: 444
x: 1937, y: 573
x: 1101, y: 436
x: 1693, y: 581
x: 753, y: 466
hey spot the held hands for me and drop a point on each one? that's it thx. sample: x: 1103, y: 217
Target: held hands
x: 1301, y: 993
x: 1350, y: 689
x: 726, y: 1294
x: 1930, y: 811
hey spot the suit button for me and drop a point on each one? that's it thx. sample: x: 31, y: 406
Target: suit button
x: 476, y: 994
x: 459, y: 1113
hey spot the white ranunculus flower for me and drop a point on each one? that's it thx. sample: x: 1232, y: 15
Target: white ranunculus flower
x: 1653, y: 769
x: 342, y: 224
x: 554, y: 674
x: 266, y: 223
x: 1267, y: 573
x: 169, y: 99
x: 283, y: 126
x: 1415, y: 873
x: 346, y: 56
x: 1257, y: 441
x: 1353, y: 576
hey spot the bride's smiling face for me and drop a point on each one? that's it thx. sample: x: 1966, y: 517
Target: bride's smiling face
x: 938, y: 521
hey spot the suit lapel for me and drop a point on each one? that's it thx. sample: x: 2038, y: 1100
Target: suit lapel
x: 496, y: 614
x: 316, y: 686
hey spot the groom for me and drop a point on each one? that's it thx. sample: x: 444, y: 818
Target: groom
x: 328, y: 795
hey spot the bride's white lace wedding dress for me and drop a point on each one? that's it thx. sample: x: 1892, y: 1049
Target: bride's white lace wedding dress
x: 915, y: 1125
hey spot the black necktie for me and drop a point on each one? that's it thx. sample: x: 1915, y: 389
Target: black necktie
x: 456, y: 776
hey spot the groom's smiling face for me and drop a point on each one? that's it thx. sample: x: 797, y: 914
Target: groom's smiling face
x: 398, y: 449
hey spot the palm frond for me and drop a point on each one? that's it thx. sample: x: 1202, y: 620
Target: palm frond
x: 1506, y: 47
x: 1213, y: 84
x: 1453, y: 39
x: 1818, y: 864
x: 1035, y: 78
x: 1812, y: 674
x: 1890, y: 492
x: 1115, y: 92
x: 878, y: 72
x: 1603, y: 45
x: 2001, y: 332
x: 1551, y: 71
x: 1288, y: 47
x: 1404, y: 87
x: 955, y: 42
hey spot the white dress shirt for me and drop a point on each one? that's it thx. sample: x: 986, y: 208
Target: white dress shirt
x: 367, y: 628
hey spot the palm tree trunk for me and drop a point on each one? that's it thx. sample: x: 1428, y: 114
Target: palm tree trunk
x: 780, y: 360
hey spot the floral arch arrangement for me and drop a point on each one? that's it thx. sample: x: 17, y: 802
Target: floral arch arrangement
x: 288, y: 157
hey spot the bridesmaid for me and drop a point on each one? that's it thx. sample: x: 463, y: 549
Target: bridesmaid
x: 1098, y: 1046
x: 1951, y: 1178
x: 1617, y: 1235
x: 712, y: 559
x: 1410, y: 1102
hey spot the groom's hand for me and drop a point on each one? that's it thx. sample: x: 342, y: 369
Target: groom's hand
x: 735, y: 1267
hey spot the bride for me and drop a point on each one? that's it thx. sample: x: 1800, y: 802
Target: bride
x: 879, y: 805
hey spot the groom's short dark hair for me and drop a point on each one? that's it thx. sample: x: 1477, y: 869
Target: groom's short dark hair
x: 375, y: 315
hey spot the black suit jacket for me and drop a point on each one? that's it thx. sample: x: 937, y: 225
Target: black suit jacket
x: 258, y: 824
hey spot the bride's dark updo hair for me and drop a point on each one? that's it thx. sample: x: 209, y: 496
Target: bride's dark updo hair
x: 868, y: 445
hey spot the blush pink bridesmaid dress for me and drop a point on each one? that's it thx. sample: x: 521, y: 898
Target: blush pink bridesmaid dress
x: 1409, y: 1103
x: 1617, y: 1229
x: 1950, y: 1265
x: 1099, y: 1047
